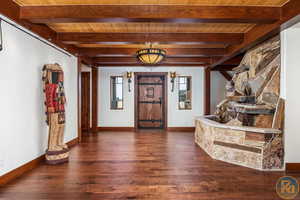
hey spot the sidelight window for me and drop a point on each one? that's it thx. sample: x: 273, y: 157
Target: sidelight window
x: 185, y: 92
x: 116, y: 93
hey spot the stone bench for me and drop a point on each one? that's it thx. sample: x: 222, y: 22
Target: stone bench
x: 257, y: 148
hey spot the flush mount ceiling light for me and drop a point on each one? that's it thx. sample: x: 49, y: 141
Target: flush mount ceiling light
x: 151, y: 56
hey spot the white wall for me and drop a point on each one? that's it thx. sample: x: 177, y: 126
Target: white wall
x: 290, y: 81
x: 218, y: 90
x: 125, y: 117
x: 23, y: 131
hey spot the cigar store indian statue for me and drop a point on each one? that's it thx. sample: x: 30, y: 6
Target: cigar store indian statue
x: 53, y: 81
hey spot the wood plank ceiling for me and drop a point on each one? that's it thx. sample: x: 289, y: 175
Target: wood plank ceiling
x: 193, y: 32
x: 154, y: 2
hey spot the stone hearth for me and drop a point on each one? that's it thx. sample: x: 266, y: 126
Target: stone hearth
x: 258, y: 148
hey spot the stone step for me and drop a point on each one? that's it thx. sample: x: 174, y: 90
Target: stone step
x: 253, y: 109
x: 241, y: 99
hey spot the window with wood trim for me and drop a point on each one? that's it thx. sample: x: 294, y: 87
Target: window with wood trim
x: 116, y: 92
x: 185, y: 92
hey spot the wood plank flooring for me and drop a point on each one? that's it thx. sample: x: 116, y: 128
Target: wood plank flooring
x: 147, y: 165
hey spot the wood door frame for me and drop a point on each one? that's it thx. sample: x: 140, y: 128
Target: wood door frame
x: 165, y: 93
x: 207, y: 91
x: 89, y: 97
x: 95, y: 95
x: 80, y: 62
x: 79, y: 65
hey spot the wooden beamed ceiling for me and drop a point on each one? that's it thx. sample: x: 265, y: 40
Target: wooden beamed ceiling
x: 151, y: 27
x: 193, y: 32
x: 133, y: 38
x: 180, y: 52
x: 155, y: 45
x: 149, y: 13
x: 275, y: 3
x: 202, y: 60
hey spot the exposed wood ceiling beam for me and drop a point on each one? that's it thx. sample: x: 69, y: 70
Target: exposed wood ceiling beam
x: 290, y: 15
x: 96, y: 52
x: 121, y: 64
x: 229, y: 64
x: 201, y: 38
x: 233, y: 61
x: 86, y: 60
x: 227, y: 76
x: 150, y: 13
x: 161, y: 45
x: 224, y: 68
x: 203, y: 60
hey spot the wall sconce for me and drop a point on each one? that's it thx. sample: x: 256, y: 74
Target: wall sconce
x: 172, y: 76
x: 129, y: 77
x: 1, y: 43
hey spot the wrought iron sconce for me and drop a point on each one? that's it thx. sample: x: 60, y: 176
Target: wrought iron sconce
x: 129, y: 77
x: 1, y: 43
x: 172, y: 76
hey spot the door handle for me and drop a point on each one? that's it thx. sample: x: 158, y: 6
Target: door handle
x: 160, y: 102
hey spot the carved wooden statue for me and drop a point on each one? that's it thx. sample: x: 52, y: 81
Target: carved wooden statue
x: 53, y: 79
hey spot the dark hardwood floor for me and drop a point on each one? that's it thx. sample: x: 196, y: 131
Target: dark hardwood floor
x: 150, y: 165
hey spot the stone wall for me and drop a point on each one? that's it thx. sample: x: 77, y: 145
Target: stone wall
x: 253, y: 93
x: 252, y: 102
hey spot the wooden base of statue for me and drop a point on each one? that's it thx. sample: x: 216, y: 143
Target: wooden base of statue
x: 57, y: 151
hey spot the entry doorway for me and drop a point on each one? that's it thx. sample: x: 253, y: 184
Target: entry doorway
x: 85, y: 101
x: 151, y: 100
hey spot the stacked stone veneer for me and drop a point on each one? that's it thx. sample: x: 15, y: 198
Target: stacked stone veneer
x: 247, y: 126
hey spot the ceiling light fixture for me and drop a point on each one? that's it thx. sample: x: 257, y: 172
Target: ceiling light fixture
x: 151, y: 56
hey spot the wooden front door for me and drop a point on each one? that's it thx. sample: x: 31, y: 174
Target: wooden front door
x: 85, y: 100
x: 150, y: 92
